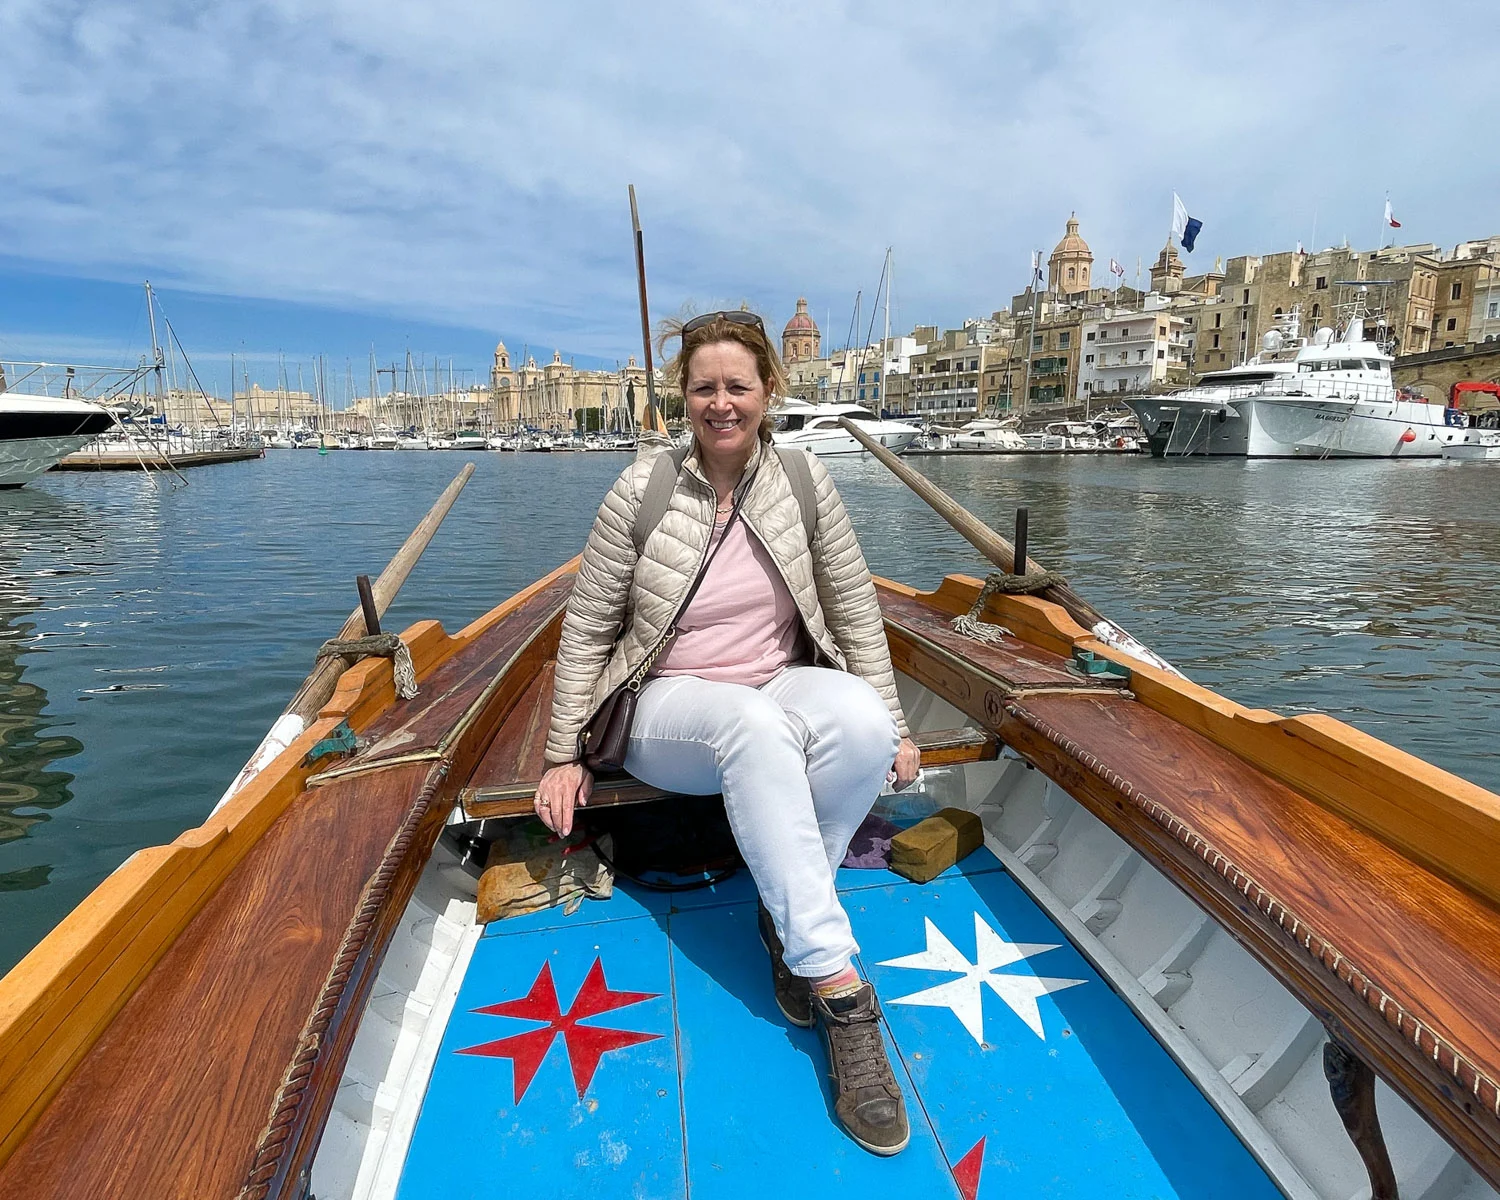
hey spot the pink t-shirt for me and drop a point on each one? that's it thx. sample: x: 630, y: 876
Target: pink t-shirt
x: 742, y: 626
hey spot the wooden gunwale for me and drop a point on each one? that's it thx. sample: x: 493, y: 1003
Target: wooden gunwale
x: 63, y: 996
x: 1440, y: 1071
x: 1450, y: 824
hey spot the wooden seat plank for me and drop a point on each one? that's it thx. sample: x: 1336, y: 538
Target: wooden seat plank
x: 494, y: 794
x: 1401, y: 960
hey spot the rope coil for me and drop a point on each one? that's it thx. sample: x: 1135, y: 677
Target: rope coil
x: 972, y: 623
x: 379, y: 645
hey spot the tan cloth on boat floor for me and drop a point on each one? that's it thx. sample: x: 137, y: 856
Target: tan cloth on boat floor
x: 930, y: 847
x: 527, y: 871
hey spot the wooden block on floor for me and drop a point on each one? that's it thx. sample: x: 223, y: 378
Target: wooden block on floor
x: 930, y: 847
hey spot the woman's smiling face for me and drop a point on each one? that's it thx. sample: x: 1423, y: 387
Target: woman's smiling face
x: 726, y: 399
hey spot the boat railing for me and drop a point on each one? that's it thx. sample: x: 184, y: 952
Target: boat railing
x: 103, y: 385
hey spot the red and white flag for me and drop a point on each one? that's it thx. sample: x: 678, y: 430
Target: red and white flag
x: 1390, y: 218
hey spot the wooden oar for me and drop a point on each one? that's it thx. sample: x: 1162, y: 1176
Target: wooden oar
x: 320, y: 684
x: 1003, y: 554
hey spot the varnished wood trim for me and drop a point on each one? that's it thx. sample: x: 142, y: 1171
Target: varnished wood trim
x: 290, y: 1137
x: 548, y: 630
x: 1412, y: 1057
x: 1445, y: 822
x: 61, y: 997
x: 379, y: 764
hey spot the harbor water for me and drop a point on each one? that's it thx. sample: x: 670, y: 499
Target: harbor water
x: 149, y: 635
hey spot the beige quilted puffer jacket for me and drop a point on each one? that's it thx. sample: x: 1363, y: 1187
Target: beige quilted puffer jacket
x: 623, y: 603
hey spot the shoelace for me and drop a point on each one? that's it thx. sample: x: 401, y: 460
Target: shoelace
x: 861, y: 1055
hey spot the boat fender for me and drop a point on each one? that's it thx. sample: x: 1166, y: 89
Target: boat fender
x: 657, y: 495
x: 340, y: 741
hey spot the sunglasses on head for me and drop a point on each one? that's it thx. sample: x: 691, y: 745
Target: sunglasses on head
x: 735, y: 316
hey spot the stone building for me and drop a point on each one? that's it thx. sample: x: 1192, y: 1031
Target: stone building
x: 555, y: 395
x: 958, y: 376
x: 1468, y: 295
x: 1434, y: 373
x: 800, y: 340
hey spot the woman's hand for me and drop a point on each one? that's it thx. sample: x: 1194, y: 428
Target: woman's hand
x: 908, y: 763
x: 560, y: 788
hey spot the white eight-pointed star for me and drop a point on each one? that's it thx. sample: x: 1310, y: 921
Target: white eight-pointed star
x: 963, y: 996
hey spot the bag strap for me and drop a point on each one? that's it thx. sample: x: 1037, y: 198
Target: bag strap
x: 656, y: 498
x: 657, y: 495
x: 799, y: 475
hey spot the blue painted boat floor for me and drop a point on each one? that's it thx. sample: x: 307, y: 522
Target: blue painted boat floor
x: 634, y: 1049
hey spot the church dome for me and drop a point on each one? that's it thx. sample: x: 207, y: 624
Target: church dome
x: 1072, y: 243
x: 800, y: 320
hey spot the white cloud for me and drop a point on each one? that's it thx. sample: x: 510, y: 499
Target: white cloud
x: 467, y: 162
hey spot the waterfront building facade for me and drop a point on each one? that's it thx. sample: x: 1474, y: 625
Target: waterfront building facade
x: 1140, y: 350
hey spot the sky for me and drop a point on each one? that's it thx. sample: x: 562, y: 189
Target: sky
x: 324, y: 176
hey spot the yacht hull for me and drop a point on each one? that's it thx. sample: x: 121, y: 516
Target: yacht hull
x: 37, y: 431
x: 829, y: 442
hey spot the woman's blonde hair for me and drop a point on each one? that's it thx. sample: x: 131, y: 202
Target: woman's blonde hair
x: 722, y: 329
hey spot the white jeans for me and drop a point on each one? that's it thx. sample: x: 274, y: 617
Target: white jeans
x: 800, y: 762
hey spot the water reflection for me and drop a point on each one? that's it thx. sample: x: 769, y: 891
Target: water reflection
x: 29, y: 787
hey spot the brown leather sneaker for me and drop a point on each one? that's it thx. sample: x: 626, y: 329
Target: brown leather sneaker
x: 793, y: 993
x: 867, y: 1098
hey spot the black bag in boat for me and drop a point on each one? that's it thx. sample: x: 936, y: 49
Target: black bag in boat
x: 672, y: 845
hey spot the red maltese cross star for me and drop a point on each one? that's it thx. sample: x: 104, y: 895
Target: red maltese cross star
x: 586, y: 1044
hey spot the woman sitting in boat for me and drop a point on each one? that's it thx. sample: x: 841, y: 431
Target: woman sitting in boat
x: 776, y: 689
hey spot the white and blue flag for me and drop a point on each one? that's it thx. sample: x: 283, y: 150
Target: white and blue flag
x: 1184, y: 227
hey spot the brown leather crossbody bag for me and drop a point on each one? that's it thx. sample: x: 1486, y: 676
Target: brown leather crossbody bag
x: 606, y: 737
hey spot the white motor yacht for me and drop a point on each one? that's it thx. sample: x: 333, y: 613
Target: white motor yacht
x: 983, y: 434
x: 1334, y: 399
x: 816, y: 427
x: 37, y: 431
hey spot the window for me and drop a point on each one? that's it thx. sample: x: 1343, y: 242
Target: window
x: 1458, y: 291
x: 1317, y: 311
x: 1161, y: 331
x: 1063, y: 341
x: 1161, y: 354
x: 861, y: 393
x: 1090, y: 337
x: 1453, y: 321
x: 1321, y: 284
x: 1218, y: 321
x: 1036, y: 342
x: 1103, y: 334
x: 1246, y: 300
x: 973, y: 364
x: 861, y: 379
x: 1088, y: 358
x: 875, y: 393
x: 1216, y: 341
x: 1278, y: 310
x: 1072, y: 275
x: 877, y: 376
x: 1494, y: 311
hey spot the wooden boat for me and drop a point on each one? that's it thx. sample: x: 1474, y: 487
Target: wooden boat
x: 1185, y: 913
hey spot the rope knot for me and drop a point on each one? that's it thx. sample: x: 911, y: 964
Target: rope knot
x: 379, y: 645
x: 972, y: 623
